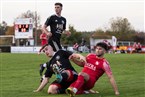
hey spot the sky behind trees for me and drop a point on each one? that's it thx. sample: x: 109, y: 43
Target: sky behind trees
x: 84, y: 15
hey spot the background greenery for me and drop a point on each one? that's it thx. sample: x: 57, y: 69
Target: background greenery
x: 19, y: 76
x: 119, y: 27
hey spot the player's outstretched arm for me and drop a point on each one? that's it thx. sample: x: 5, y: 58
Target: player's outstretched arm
x: 42, y: 85
x: 111, y: 78
x: 114, y: 85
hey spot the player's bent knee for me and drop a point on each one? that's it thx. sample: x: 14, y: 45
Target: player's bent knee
x: 85, y: 75
x: 52, y: 89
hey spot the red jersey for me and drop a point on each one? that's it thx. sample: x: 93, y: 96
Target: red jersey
x: 43, y: 37
x: 96, y: 66
x: 139, y: 45
x: 135, y: 45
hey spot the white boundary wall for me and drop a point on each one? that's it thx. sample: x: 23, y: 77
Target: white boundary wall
x: 15, y: 49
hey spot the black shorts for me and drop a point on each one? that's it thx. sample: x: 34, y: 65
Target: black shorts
x: 55, y: 45
x: 64, y: 84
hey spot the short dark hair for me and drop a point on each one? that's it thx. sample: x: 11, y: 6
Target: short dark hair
x: 43, y: 47
x: 104, y: 45
x: 60, y: 4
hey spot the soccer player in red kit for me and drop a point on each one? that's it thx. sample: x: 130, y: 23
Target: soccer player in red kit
x: 95, y: 66
x: 44, y: 38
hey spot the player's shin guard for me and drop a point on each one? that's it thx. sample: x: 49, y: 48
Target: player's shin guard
x: 59, y: 78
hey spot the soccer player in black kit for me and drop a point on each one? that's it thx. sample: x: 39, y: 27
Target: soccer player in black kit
x: 57, y: 25
x: 59, y: 64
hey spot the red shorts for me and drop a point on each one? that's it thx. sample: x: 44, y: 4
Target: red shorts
x: 89, y: 84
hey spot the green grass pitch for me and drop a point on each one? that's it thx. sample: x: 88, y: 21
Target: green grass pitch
x: 19, y: 76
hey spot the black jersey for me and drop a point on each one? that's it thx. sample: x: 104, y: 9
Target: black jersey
x: 63, y: 58
x: 57, y: 26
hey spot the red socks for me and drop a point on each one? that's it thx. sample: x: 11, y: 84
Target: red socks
x: 79, y: 82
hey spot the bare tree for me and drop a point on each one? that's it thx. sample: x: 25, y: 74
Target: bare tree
x: 34, y: 15
x: 120, y: 25
x: 3, y: 28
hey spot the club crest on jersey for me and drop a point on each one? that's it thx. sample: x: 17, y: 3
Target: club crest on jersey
x: 57, y: 57
x: 97, y: 63
x: 55, y: 20
x: 62, y: 22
